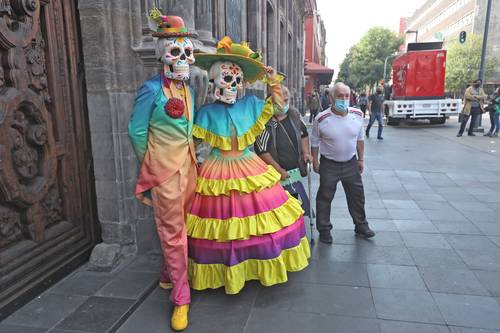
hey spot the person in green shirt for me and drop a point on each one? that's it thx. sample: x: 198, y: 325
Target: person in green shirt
x: 494, y: 110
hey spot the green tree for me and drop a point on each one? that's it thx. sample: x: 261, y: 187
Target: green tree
x: 463, y: 61
x: 364, y: 64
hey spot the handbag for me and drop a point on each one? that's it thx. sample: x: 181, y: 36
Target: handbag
x: 302, y: 164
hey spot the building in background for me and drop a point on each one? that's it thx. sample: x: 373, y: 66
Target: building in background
x: 443, y: 20
x: 316, y: 72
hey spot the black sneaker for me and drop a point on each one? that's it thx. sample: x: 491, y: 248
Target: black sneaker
x: 487, y: 134
x: 471, y: 134
x: 364, y: 230
x: 459, y: 135
x: 326, y: 237
x: 367, y: 134
x: 380, y: 138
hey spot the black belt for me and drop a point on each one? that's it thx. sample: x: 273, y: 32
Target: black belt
x: 326, y: 158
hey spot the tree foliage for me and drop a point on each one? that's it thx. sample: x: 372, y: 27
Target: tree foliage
x: 463, y: 62
x: 364, y: 63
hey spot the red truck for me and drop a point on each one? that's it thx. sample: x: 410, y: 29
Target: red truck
x: 418, y: 81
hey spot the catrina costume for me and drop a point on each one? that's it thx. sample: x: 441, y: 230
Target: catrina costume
x: 242, y: 225
x: 160, y: 130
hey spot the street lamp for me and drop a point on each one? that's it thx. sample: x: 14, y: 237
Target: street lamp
x: 413, y: 32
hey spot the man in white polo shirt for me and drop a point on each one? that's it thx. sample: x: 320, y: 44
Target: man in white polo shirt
x: 338, y: 135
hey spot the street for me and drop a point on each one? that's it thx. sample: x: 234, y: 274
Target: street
x: 434, y: 265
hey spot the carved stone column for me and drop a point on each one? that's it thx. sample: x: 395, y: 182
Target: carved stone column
x: 203, y: 22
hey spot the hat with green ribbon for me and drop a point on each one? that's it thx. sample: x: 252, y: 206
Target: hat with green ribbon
x: 170, y: 26
x: 240, y: 54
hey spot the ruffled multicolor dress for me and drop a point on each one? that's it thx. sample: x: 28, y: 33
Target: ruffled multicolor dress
x: 243, y: 225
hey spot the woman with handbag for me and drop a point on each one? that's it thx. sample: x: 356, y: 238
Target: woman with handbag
x: 284, y: 144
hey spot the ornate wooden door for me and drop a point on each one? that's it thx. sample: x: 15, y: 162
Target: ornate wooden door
x: 47, y: 219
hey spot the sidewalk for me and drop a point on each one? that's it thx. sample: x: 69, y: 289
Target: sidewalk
x: 434, y: 265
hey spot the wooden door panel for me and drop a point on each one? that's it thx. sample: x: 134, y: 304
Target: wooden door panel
x: 47, y: 206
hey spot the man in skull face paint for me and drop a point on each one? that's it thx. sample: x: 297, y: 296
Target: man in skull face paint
x: 160, y: 130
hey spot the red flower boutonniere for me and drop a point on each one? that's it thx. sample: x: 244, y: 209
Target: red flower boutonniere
x: 174, y: 107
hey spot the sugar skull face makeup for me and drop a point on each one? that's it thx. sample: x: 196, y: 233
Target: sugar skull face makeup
x: 227, y: 78
x: 177, y: 55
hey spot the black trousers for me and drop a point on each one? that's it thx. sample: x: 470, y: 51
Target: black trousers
x: 330, y: 173
x: 474, y: 113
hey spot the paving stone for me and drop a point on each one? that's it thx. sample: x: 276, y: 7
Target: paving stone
x: 415, y: 226
x: 321, y: 299
x: 490, y: 229
x: 279, y: 321
x: 382, y: 225
x: 432, y: 204
x: 444, y: 215
x: 82, y: 283
x: 495, y: 239
x: 407, y: 214
x: 437, y: 258
x: 383, y: 238
x: 45, y: 311
x: 388, y: 326
x: 97, y: 314
x: 469, y: 311
x: 455, y: 329
x: 244, y: 299
x: 406, y: 305
x: 400, y: 204
x: 462, y: 228
x: 471, y: 242
x: 5, y: 328
x: 338, y: 273
x: 466, y: 206
x: 425, y: 240
x: 129, y: 285
x: 394, y: 255
x: 146, y: 263
x: 481, y: 259
x: 395, y: 277
x: 490, y: 280
x: 482, y: 216
x: 457, y: 281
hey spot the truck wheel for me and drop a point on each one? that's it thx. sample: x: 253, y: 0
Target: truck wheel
x: 438, y: 121
x: 393, y: 121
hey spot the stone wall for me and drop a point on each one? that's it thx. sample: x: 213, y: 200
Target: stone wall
x: 119, y: 56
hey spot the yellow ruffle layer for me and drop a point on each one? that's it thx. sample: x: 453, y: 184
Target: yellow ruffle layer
x: 233, y: 278
x: 248, y: 184
x: 239, y: 228
x: 244, y: 140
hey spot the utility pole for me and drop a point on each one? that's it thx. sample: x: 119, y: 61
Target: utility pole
x: 477, y: 125
x: 485, y: 40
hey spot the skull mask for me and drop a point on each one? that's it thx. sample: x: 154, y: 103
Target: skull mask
x: 176, y: 54
x: 227, y: 78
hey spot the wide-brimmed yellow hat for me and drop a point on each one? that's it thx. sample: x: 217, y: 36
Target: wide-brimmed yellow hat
x: 240, y: 54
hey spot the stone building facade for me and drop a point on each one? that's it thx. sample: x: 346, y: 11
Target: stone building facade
x: 119, y: 55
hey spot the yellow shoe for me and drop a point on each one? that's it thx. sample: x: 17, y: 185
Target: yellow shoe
x: 166, y: 285
x: 179, y: 320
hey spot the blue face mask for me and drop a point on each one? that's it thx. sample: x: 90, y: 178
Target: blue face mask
x: 342, y: 105
x: 285, y: 109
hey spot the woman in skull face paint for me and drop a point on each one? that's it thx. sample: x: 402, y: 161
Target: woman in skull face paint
x: 243, y: 225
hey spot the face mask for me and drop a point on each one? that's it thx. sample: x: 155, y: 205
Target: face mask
x: 342, y: 105
x: 282, y: 112
x: 476, y: 85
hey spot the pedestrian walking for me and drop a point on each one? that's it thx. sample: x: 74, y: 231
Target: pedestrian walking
x: 494, y: 113
x: 338, y: 134
x: 314, y: 106
x: 325, y: 101
x: 284, y: 144
x: 363, y: 103
x: 474, y: 98
x: 375, y: 105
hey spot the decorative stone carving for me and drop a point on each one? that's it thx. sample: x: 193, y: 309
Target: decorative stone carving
x: 10, y: 226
